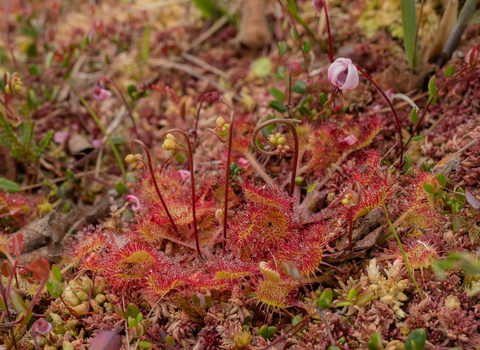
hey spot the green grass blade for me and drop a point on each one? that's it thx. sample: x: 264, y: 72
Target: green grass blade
x: 401, y: 249
x: 409, y: 22
x: 114, y: 149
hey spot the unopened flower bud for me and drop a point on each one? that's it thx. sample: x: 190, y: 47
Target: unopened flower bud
x: 295, y: 69
x: 272, y: 140
x: 170, y: 137
x: 220, y: 121
x: 130, y: 158
x: 471, y: 58
x: 281, y: 141
x: 169, y: 145
x: 318, y: 4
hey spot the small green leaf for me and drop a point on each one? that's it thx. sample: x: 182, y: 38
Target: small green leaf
x: 325, y: 301
x: 353, y: 292
x: 120, y: 187
x: 282, y: 48
x: 408, y: 163
x: 146, y: 43
x: 375, y: 342
x: 441, y: 177
x: 143, y: 344
x: 56, y: 273
x: 132, y: 310
x: 300, y: 87
x: 433, y: 100
x: 431, y: 85
x: 416, y: 340
x: 271, y: 331
x: 294, y: 34
x: 418, y: 137
x: 277, y: 94
x: 364, y: 299
x: 170, y: 340
x: 428, y: 188
x: 279, y: 106
x: 49, y: 59
x: 344, y: 303
x: 34, y: 69
x: 413, y: 116
x: 306, y: 46
x: 450, y: 71
x: 2, y: 304
x: 292, y: 7
x: 17, y: 302
x: 456, y: 224
x: 10, y: 186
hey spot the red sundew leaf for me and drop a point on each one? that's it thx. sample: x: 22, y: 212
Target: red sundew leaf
x: 472, y: 200
x: 17, y: 244
x: 40, y: 269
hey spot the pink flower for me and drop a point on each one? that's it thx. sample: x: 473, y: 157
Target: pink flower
x: 376, y: 108
x: 185, y: 174
x: 42, y: 326
x: 350, y: 139
x: 61, y: 136
x: 318, y: 4
x: 100, y: 93
x: 390, y: 94
x: 243, y: 162
x: 97, y: 143
x: 133, y: 198
x: 214, y: 97
x: 471, y: 58
x: 343, y: 74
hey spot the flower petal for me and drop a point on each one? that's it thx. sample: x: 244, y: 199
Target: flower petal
x: 352, y: 78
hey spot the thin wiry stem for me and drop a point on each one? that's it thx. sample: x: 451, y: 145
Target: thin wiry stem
x: 227, y: 180
x: 401, y: 249
x: 124, y: 101
x: 192, y: 180
x: 152, y: 175
x: 416, y: 35
x: 7, y: 34
x: 289, y: 123
x: 330, y: 46
x: 397, y: 121
x: 195, y: 135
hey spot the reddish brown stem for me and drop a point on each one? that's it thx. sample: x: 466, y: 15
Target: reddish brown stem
x: 124, y: 101
x: 227, y: 181
x: 12, y: 334
x: 198, y: 115
x: 6, y: 107
x: 289, y: 123
x: 350, y: 228
x: 7, y: 34
x: 192, y: 180
x: 330, y: 46
x: 397, y: 121
x: 152, y: 174
x: 430, y: 103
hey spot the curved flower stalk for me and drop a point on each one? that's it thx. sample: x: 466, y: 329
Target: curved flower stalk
x: 121, y: 95
x: 222, y: 126
x: 212, y: 97
x: 290, y: 124
x: 139, y: 164
x: 170, y: 144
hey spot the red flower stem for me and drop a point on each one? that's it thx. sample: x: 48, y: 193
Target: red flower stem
x: 397, y: 121
x: 330, y: 46
x: 91, y: 292
x: 12, y: 274
x: 198, y: 115
x: 350, y: 228
x: 227, y: 181
x: 12, y: 334
x: 152, y: 175
x: 192, y: 180
x: 124, y: 101
x: 430, y: 103
x: 7, y: 34
x: 289, y: 123
x: 6, y: 107
x: 301, y: 49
